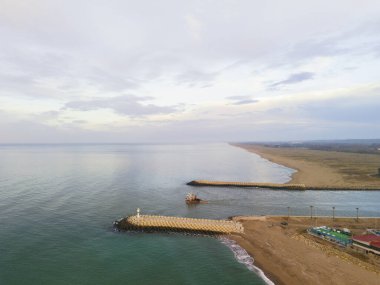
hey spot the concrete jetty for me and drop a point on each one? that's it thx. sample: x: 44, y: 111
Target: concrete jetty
x: 178, y: 224
x: 287, y: 186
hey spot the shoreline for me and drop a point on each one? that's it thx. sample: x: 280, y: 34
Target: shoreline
x: 287, y: 255
x: 323, y: 170
x: 243, y: 257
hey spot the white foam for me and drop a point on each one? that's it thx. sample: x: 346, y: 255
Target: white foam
x: 243, y: 257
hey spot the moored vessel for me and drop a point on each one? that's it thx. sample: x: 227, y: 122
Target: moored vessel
x: 191, y: 198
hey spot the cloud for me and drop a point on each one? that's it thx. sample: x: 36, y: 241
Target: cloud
x: 360, y: 38
x: 52, y: 54
x: 126, y: 105
x: 195, y: 27
x: 245, y: 102
x: 377, y: 50
x: 357, y: 106
x: 193, y: 77
x: 294, y: 78
x: 79, y: 121
x: 341, y: 114
x: 108, y: 81
x: 309, y: 49
x: 242, y: 100
x: 48, y: 115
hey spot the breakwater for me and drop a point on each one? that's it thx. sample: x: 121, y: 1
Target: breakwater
x: 344, y: 188
x: 286, y: 186
x: 178, y: 224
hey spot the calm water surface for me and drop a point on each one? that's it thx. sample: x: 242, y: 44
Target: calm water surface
x: 57, y: 205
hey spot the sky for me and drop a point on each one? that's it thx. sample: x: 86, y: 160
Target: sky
x: 188, y: 71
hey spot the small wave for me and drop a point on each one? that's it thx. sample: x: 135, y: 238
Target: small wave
x: 243, y: 257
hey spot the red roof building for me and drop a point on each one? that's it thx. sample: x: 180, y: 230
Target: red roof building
x: 376, y: 245
x: 369, y: 243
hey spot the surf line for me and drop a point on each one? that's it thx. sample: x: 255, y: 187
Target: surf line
x: 243, y: 257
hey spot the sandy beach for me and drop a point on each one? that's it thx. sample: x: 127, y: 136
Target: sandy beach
x: 288, y: 255
x: 318, y: 168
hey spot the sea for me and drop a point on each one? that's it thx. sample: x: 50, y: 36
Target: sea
x: 58, y: 204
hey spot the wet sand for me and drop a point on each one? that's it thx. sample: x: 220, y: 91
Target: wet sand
x: 288, y: 255
x: 316, y: 168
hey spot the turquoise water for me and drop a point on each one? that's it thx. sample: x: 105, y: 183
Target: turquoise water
x: 57, y: 205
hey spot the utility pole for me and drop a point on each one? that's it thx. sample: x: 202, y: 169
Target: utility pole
x: 311, y: 212
x: 288, y: 212
x: 333, y: 213
x: 357, y: 214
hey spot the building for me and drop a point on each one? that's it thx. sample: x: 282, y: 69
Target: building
x: 341, y: 237
x: 367, y: 243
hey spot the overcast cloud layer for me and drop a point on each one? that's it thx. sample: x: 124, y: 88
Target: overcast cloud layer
x: 178, y: 71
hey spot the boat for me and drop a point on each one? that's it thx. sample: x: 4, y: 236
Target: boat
x: 193, y: 199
